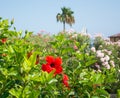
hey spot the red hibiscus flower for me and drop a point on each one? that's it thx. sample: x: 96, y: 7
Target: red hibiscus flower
x: 53, y: 64
x: 4, y: 40
x: 65, y: 80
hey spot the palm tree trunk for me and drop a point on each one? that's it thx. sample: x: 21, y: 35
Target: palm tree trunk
x: 63, y: 26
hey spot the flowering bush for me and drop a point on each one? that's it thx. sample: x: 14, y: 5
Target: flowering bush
x: 107, y: 55
x: 61, y: 65
x: 53, y: 64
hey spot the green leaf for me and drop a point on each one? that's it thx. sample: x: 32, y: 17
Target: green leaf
x: 97, y: 78
x: 72, y: 93
x: 26, y: 66
x: 83, y: 47
x: 43, y: 77
x: 12, y: 73
x: 34, y: 94
x: 27, y: 34
x: 16, y: 91
x: 10, y: 49
x: 35, y: 77
x: 52, y: 81
x: 88, y: 94
x: 12, y: 21
x: 95, y: 97
x: 90, y: 62
x: 103, y: 93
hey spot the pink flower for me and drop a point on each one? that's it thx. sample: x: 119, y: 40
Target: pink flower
x: 75, y: 47
x: 93, y: 49
x: 97, y: 66
x: 105, y: 63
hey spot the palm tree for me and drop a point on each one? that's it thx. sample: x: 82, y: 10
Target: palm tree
x: 65, y: 17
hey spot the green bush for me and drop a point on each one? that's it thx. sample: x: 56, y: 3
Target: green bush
x: 50, y: 66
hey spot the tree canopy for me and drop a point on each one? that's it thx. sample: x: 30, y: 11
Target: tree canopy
x: 66, y: 17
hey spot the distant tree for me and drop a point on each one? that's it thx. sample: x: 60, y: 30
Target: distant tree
x: 66, y: 17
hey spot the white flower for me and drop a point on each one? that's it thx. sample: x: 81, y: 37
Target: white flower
x: 98, y: 51
x: 99, y: 70
x: 108, y: 66
x: 107, y: 43
x: 105, y: 63
x: 93, y: 49
x: 100, y: 54
x: 119, y: 70
x: 87, y: 54
x: 74, y: 36
x: 70, y: 31
x: 112, y: 63
x: 109, y: 52
x: 78, y: 51
x: 105, y: 50
x: 97, y: 66
x: 102, y: 59
x: 101, y: 46
x: 107, y: 58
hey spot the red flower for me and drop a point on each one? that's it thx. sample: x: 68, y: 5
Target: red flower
x: 65, y: 80
x: 53, y: 64
x: 4, y: 40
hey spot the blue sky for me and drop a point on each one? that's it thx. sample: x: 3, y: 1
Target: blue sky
x: 98, y: 16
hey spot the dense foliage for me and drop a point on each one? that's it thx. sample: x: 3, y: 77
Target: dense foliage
x: 56, y: 66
